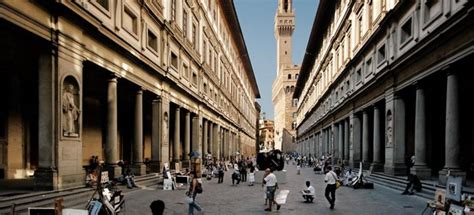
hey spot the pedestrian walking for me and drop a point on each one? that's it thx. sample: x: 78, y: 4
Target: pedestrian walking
x: 236, y: 175
x: 243, y: 171
x: 330, y: 180
x: 194, y: 189
x: 251, y: 176
x: 271, y: 182
x: 220, y: 171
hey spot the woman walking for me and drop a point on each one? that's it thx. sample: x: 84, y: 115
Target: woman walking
x: 194, y: 189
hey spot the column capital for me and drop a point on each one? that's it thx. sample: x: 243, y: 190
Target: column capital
x: 448, y: 69
x: 114, y: 76
x: 157, y: 99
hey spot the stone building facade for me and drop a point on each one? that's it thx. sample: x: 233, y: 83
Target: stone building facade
x: 386, y: 80
x: 287, y: 74
x: 143, y: 81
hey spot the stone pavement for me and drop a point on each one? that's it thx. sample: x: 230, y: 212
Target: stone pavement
x: 242, y: 199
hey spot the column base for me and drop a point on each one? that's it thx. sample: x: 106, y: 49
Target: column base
x: 155, y: 166
x: 46, y: 179
x: 376, y: 167
x: 396, y: 169
x: 365, y: 165
x: 176, y: 163
x: 443, y: 178
x: 421, y: 171
x: 186, y: 164
x: 114, y: 171
x: 138, y: 169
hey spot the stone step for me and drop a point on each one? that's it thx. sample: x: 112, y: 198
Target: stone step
x: 73, y: 197
x: 427, y: 192
x: 398, y: 184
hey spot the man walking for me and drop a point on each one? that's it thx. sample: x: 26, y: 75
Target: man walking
x: 270, y: 181
x: 330, y: 180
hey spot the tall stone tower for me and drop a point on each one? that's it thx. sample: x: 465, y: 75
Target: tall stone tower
x: 286, y: 76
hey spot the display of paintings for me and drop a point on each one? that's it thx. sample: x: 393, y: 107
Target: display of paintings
x: 455, y: 210
x: 453, y: 188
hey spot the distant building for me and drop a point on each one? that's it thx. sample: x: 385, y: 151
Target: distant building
x: 266, y: 131
x: 384, y: 81
x: 287, y: 74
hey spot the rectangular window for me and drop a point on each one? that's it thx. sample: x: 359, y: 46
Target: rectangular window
x: 406, y: 31
x: 381, y: 54
x: 174, y: 60
x: 358, y: 75
x: 186, y: 71
x: 368, y: 67
x: 215, y: 62
x: 130, y: 21
x: 185, y: 24
x: 359, y: 28
x: 209, y: 56
x: 104, y: 4
x: 195, y: 79
x: 152, y: 41
x: 173, y: 10
x: 194, y: 38
x: 204, y: 50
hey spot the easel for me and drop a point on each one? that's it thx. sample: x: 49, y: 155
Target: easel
x: 95, y: 205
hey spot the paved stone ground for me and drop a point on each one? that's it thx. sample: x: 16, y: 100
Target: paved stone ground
x: 242, y: 199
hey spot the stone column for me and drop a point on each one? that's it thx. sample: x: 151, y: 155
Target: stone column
x: 226, y: 143
x: 346, y: 141
x: 340, y: 145
x: 155, y: 135
x: 195, y: 145
x: 211, y: 146
x: 365, y: 140
x: 217, y: 133
x: 205, y: 140
x: 324, y: 142
x: 187, y: 138
x: 176, y: 139
x: 452, y: 132
x: 420, y: 168
x: 356, y: 158
x: 138, y: 167
x: 377, y: 163
x: 46, y: 174
x: 111, y: 143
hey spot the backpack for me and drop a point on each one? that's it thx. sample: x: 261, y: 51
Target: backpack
x: 198, y: 188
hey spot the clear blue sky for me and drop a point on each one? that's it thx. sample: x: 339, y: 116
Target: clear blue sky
x: 256, y: 20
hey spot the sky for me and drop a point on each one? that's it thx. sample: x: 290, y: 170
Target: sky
x: 256, y: 19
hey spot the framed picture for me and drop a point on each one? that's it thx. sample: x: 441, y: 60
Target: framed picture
x: 453, y: 188
x: 455, y: 210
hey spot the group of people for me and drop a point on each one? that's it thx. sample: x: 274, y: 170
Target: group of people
x: 95, y: 167
x: 242, y: 170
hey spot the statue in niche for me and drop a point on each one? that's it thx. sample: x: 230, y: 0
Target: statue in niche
x: 70, y: 112
x: 389, y: 143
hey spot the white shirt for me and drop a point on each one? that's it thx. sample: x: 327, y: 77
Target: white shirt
x: 311, y: 189
x: 271, y: 180
x: 330, y: 177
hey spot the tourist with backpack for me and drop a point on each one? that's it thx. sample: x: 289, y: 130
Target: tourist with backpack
x: 194, y: 189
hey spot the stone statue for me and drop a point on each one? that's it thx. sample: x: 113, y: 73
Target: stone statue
x: 389, y: 130
x: 70, y: 112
